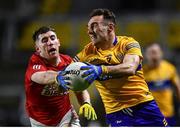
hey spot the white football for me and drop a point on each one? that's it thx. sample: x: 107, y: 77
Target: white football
x: 77, y: 82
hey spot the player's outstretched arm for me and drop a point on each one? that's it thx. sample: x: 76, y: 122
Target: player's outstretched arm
x: 86, y: 108
x: 50, y: 77
x: 44, y: 77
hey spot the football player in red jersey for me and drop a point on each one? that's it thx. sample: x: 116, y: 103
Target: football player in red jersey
x: 47, y: 98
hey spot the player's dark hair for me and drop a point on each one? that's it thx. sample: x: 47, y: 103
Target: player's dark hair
x: 107, y: 14
x: 151, y: 44
x: 41, y: 30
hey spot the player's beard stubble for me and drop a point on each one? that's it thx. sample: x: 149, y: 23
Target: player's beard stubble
x: 99, y: 35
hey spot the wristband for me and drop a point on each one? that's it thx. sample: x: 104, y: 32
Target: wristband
x: 104, y: 69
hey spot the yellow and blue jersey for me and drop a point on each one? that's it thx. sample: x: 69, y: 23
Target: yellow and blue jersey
x: 160, y: 80
x: 118, y: 93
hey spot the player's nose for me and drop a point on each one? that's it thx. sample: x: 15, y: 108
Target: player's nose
x: 50, y: 42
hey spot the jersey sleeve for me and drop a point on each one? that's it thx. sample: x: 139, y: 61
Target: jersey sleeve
x: 80, y: 56
x: 175, y: 76
x: 33, y: 67
x: 132, y: 47
x: 77, y: 58
x: 67, y: 58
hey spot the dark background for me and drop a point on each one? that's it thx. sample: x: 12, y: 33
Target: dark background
x: 145, y: 20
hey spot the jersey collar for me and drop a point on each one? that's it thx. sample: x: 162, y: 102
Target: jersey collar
x: 115, y: 41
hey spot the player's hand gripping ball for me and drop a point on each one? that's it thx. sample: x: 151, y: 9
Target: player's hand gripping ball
x: 76, y: 81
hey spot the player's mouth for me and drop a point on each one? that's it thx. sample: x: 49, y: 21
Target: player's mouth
x: 52, y: 51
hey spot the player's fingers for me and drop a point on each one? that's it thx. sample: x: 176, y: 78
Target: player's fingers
x: 68, y: 82
x: 94, y: 116
x: 66, y: 78
x: 86, y: 112
x: 89, y: 114
x: 62, y: 73
x: 85, y: 67
x: 69, y: 87
x: 86, y: 73
x: 80, y: 111
x: 90, y: 78
x: 87, y: 63
x: 59, y: 77
x: 64, y: 86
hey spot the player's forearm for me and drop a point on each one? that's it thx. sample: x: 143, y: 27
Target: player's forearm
x: 83, y: 97
x: 128, y: 67
x: 122, y: 69
x: 44, y: 77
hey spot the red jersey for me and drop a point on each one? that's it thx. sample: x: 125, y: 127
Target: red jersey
x: 46, y: 104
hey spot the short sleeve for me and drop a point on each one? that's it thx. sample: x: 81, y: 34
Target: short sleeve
x: 175, y: 76
x: 33, y: 67
x: 80, y: 57
x: 66, y: 58
x: 132, y: 47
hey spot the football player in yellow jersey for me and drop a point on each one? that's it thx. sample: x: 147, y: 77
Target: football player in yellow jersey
x: 161, y: 76
x: 115, y: 62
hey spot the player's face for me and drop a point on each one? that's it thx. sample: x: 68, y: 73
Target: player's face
x: 47, y: 45
x: 154, y: 54
x: 97, y: 29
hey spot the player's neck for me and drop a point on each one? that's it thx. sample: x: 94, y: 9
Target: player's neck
x: 155, y: 64
x: 54, y: 61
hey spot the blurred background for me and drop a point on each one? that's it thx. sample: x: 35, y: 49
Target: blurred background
x: 145, y: 20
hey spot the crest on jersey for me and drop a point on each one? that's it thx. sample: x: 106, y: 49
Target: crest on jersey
x: 36, y: 67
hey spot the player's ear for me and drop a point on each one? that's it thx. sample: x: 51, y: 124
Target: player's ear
x: 59, y: 43
x: 111, y: 27
x: 37, y: 48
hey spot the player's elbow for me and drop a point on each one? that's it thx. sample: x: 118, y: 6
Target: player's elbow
x: 132, y: 68
x: 131, y: 71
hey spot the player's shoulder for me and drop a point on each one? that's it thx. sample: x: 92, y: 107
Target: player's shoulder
x: 126, y: 42
x: 89, y: 48
x: 167, y: 64
x: 35, y: 58
x: 65, y: 57
x: 145, y: 67
x: 126, y: 39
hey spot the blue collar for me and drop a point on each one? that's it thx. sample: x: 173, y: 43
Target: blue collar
x: 115, y: 41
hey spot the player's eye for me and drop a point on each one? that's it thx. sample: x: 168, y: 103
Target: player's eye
x: 52, y: 37
x: 44, y: 40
